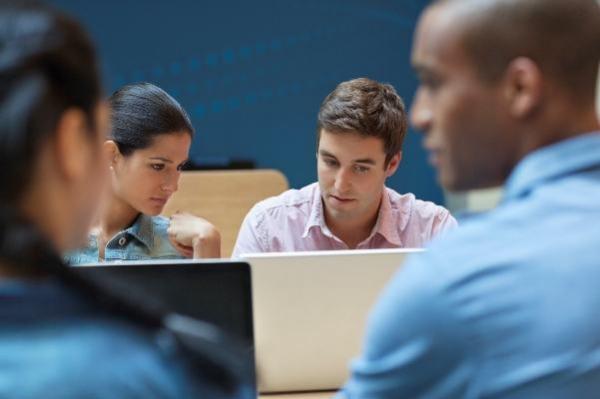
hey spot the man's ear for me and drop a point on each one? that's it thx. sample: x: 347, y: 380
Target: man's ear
x: 73, y: 144
x: 392, y: 166
x: 524, y: 87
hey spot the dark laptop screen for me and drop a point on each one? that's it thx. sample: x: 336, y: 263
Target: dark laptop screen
x: 216, y: 292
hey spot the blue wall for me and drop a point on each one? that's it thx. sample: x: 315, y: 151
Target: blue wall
x: 252, y: 74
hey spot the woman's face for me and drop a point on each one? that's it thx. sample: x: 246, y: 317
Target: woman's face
x: 148, y: 177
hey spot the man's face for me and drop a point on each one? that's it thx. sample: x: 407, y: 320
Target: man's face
x: 462, y: 117
x: 352, y: 174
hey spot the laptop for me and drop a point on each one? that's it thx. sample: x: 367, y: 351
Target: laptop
x: 215, y: 291
x: 310, y: 312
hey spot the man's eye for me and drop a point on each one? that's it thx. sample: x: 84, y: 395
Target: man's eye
x: 157, y: 166
x: 430, y: 83
x: 361, y: 169
x: 330, y: 162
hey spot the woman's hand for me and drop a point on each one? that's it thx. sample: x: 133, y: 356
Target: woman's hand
x: 193, y: 236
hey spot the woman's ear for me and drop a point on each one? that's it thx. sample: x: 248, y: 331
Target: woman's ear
x: 112, y: 153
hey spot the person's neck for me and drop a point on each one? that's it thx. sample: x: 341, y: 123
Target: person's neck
x: 352, y: 231
x: 114, y: 216
x: 556, y: 127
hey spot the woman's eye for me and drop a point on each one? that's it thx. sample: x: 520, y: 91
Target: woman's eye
x: 157, y: 166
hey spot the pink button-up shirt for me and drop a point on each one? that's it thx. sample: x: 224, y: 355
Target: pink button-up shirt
x: 294, y: 221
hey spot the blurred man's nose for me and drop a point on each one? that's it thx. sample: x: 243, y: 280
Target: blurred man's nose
x: 421, y: 115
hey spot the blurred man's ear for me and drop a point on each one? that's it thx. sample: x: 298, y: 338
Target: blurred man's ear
x: 524, y: 86
x: 393, y: 164
x: 73, y: 144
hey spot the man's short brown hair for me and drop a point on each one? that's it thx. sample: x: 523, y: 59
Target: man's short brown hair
x: 366, y: 107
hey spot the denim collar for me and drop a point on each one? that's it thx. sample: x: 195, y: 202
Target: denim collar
x: 143, y: 230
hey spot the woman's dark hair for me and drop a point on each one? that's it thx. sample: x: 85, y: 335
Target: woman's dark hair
x: 48, y: 65
x: 140, y: 112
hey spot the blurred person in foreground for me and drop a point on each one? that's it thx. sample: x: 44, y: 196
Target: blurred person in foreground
x: 505, y: 306
x: 63, y: 336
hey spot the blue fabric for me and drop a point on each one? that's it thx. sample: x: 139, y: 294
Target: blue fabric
x: 506, y: 305
x: 146, y: 238
x: 55, y: 345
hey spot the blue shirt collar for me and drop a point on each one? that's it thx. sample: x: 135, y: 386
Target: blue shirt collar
x: 143, y: 230
x: 552, y: 162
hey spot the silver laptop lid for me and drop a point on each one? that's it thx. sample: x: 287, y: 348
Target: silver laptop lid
x: 310, y: 311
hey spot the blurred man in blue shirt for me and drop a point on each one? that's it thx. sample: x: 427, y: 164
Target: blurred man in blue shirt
x: 506, y: 306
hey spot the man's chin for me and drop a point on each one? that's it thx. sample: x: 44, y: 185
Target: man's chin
x: 457, y: 184
x: 341, y: 214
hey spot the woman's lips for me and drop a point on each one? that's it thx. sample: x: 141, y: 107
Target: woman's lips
x: 159, y: 201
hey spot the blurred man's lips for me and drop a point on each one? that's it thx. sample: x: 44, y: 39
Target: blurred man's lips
x: 434, y: 153
x: 434, y: 158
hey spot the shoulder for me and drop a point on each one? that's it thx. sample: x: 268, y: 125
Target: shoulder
x: 418, y: 208
x: 122, y: 361
x: 288, y: 203
x: 156, y: 238
x: 412, y: 326
x: 137, y: 356
x: 466, y: 258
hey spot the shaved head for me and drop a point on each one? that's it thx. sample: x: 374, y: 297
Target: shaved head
x: 561, y: 36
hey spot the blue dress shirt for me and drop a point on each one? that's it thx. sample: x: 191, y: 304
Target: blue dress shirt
x: 506, y: 305
x: 53, y: 344
x: 146, y: 238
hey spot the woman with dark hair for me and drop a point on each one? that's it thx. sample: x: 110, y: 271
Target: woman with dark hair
x: 147, y: 148
x: 63, y: 336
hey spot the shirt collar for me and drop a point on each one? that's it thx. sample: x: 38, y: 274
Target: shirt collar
x: 385, y: 224
x: 554, y: 161
x: 316, y: 216
x: 143, y: 230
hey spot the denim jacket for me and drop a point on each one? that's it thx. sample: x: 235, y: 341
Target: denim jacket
x: 146, y: 238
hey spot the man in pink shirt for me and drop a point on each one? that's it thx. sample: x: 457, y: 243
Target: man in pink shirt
x: 361, y: 127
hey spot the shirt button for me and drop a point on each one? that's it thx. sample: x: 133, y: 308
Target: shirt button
x: 122, y: 241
